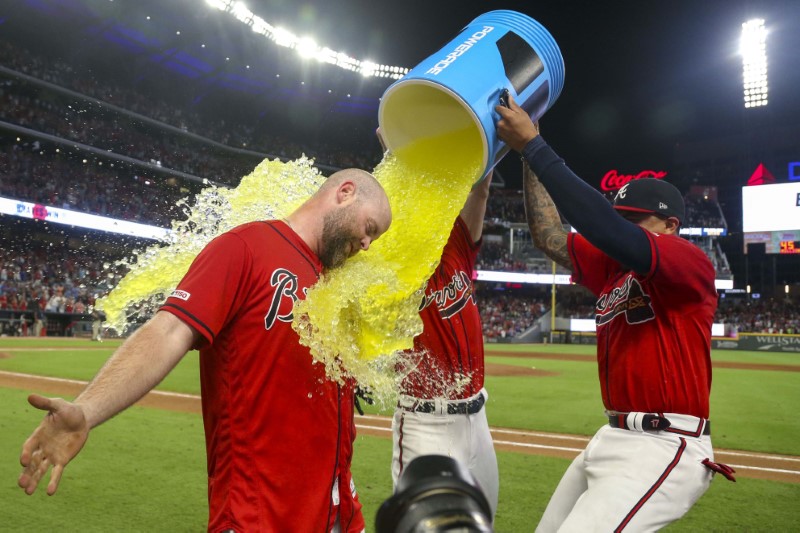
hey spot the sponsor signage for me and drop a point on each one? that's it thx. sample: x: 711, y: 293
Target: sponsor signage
x: 520, y: 277
x: 57, y: 215
x: 560, y: 279
x: 703, y: 232
x: 794, y: 171
x: 613, y: 180
x: 459, y: 51
x: 587, y: 324
x: 761, y: 342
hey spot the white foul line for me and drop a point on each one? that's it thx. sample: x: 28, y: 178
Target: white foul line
x: 771, y: 457
x: 167, y: 394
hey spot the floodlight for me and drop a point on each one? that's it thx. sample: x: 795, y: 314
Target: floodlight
x: 326, y: 55
x: 368, y: 68
x: 222, y: 5
x: 242, y: 13
x: 284, y: 37
x: 261, y: 26
x: 307, y: 47
x: 752, y: 46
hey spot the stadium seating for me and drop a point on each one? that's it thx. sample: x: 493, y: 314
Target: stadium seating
x: 68, y: 140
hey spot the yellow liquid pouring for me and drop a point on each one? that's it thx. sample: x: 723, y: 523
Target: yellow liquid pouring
x: 358, y: 318
x: 273, y: 190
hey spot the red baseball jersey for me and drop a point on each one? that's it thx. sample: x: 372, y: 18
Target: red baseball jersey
x: 279, y: 434
x: 452, y: 339
x: 653, y: 330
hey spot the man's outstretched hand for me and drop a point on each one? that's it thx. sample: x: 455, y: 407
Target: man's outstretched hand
x: 58, y: 439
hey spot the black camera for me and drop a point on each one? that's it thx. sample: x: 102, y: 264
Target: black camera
x: 435, y: 494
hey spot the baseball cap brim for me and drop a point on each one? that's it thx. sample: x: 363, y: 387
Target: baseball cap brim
x: 635, y: 209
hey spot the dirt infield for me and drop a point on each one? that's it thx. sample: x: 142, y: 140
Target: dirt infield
x: 748, y: 464
x: 497, y: 369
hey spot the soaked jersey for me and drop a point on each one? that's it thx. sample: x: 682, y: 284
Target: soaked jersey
x: 278, y: 433
x: 653, y: 330
x: 449, y: 351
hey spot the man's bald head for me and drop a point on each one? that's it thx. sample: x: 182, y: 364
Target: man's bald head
x: 354, y: 211
x: 366, y: 184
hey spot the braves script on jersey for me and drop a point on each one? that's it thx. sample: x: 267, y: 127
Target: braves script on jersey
x: 653, y: 330
x: 452, y: 336
x: 278, y: 433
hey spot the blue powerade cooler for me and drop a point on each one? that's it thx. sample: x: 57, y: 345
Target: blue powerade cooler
x: 458, y: 87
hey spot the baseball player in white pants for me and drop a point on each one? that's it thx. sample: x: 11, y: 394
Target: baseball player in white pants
x: 655, y: 305
x: 464, y: 436
x: 442, y: 409
x: 632, y: 479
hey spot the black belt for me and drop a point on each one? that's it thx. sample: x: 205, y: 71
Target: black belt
x: 467, y: 407
x: 652, y: 423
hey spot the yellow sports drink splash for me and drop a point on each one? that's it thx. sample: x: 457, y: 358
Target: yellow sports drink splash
x: 358, y: 317
x: 273, y: 190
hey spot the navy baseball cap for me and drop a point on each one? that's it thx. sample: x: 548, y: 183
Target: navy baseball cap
x: 650, y: 195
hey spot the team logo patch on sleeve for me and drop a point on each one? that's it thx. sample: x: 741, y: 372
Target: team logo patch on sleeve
x: 183, y: 295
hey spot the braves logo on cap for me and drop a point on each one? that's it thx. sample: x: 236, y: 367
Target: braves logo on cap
x: 650, y: 195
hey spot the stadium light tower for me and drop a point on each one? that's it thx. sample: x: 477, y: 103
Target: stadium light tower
x: 754, y: 62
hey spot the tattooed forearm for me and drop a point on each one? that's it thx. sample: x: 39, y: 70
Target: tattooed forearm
x: 544, y: 221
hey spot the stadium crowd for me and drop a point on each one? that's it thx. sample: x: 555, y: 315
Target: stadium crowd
x: 506, y: 314
x: 58, y: 278
x: 35, y: 172
x: 54, y: 277
x: 101, y: 126
x: 769, y: 315
x: 703, y: 213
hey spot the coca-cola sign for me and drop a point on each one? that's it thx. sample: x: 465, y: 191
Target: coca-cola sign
x: 613, y: 180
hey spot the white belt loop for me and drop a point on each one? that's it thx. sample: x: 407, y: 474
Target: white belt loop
x: 634, y: 421
x: 441, y: 406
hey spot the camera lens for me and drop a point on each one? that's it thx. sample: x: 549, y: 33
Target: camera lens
x: 435, y: 494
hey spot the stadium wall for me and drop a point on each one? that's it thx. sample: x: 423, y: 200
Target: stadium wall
x: 761, y: 342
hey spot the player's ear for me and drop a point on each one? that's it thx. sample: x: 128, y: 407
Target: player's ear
x: 346, y: 192
x: 672, y: 224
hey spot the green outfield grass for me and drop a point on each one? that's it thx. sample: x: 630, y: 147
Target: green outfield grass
x: 145, y: 469
x: 142, y: 471
x: 80, y: 359
x: 750, y: 409
x: 733, y: 356
x: 566, y: 403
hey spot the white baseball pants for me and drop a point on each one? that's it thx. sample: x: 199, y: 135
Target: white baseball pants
x: 464, y: 437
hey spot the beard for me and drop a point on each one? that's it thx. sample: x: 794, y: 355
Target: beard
x: 337, y: 234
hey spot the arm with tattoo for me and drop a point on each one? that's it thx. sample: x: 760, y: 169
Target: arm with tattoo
x: 585, y: 208
x: 543, y: 219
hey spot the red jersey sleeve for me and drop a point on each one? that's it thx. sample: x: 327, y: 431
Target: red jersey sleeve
x: 209, y: 294
x: 466, y: 250
x: 682, y: 269
x: 590, y: 267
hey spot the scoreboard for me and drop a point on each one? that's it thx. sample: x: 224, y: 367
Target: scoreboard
x: 789, y: 247
x: 771, y: 215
